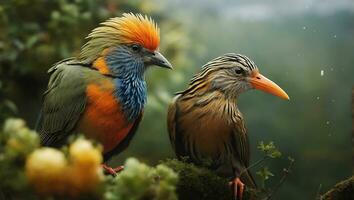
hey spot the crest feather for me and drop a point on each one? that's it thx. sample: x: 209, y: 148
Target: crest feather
x: 129, y: 29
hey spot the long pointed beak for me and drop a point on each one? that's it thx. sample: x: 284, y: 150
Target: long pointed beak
x: 158, y: 59
x: 260, y: 82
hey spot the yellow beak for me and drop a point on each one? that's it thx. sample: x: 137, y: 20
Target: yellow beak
x: 260, y: 82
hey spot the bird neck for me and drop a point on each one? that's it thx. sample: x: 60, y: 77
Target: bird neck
x: 128, y: 77
x: 203, y: 93
x: 130, y: 86
x: 214, y: 102
x: 131, y: 93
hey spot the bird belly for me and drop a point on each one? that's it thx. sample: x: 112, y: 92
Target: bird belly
x: 207, y: 139
x: 103, y: 118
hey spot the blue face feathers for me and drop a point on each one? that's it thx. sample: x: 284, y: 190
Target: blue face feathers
x: 131, y: 91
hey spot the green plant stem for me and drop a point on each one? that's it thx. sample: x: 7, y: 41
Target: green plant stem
x: 255, y: 164
x: 286, y: 172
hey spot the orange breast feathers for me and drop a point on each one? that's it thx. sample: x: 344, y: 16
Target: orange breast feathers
x: 103, y: 118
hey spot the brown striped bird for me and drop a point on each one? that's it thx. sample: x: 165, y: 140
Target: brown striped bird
x: 204, y: 122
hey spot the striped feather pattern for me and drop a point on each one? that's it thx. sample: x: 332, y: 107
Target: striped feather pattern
x: 205, y: 123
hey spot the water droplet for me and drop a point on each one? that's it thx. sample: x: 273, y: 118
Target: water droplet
x: 327, y: 122
x: 318, y: 98
x: 335, y: 36
x: 322, y: 72
x: 304, y: 27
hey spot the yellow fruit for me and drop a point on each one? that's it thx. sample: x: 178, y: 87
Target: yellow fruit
x: 82, y: 180
x: 51, y: 174
x: 84, y: 154
x: 85, y: 172
x: 46, y: 170
x: 14, y: 125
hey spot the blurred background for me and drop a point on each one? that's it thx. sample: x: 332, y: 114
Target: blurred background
x: 306, y: 46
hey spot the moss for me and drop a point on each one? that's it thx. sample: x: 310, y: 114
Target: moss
x: 141, y: 182
x: 200, y: 183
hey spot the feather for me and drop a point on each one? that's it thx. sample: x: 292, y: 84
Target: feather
x: 129, y: 29
x: 205, y: 125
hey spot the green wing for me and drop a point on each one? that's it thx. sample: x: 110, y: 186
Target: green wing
x: 63, y: 103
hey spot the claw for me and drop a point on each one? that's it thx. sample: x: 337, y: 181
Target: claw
x: 112, y: 171
x: 237, y: 188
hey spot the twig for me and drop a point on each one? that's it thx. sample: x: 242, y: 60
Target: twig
x: 318, y: 194
x: 255, y: 164
x: 286, y: 172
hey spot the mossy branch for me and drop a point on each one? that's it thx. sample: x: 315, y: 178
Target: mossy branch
x: 39, y: 167
x: 341, y: 191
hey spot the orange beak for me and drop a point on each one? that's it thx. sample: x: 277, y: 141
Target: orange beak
x: 261, y: 82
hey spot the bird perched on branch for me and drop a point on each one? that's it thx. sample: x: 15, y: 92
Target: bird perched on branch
x: 102, y: 92
x: 205, y: 124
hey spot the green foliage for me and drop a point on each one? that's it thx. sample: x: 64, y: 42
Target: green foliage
x: 7, y: 107
x: 269, y: 149
x: 138, y: 181
x: 16, y: 142
x: 264, y: 173
x: 170, y: 180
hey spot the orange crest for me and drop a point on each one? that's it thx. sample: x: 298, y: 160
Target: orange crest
x: 139, y: 29
x: 129, y: 29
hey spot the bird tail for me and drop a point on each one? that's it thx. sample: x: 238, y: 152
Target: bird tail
x: 247, y: 178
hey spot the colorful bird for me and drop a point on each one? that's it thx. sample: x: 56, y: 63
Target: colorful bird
x: 102, y: 92
x: 205, y: 124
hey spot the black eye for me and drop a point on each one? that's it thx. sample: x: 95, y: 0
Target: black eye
x: 136, y: 47
x: 239, y: 71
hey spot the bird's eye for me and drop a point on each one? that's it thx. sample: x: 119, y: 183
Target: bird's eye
x: 136, y: 47
x: 239, y: 71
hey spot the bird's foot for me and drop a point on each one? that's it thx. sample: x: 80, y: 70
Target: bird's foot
x: 112, y: 171
x: 237, y: 188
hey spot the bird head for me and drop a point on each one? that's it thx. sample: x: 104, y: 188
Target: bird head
x: 234, y: 73
x: 126, y: 44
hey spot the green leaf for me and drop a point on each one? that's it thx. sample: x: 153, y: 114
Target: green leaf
x: 264, y: 173
x: 269, y: 149
x: 291, y: 159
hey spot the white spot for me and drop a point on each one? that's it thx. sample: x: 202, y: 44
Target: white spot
x: 332, y: 69
x: 318, y: 98
x: 322, y: 72
x: 327, y: 122
x: 335, y: 36
x: 304, y: 28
